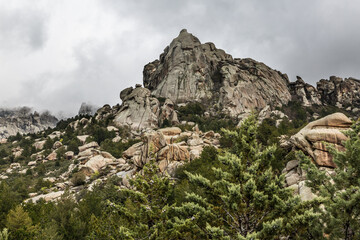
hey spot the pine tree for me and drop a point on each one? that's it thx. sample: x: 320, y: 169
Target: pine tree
x: 20, y: 224
x: 246, y: 201
x: 340, y: 190
x: 144, y: 213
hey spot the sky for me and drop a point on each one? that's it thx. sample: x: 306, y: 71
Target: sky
x: 54, y: 55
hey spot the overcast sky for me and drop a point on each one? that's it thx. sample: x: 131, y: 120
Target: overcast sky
x: 57, y: 54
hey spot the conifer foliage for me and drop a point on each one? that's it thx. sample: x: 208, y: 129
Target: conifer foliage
x: 246, y: 201
x: 339, y: 190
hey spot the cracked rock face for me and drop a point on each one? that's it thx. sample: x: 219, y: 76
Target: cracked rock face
x: 250, y: 85
x: 138, y: 110
x: 190, y: 71
x: 186, y: 70
x: 337, y: 91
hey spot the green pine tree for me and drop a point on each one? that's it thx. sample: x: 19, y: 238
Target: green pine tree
x: 143, y: 214
x: 339, y: 191
x: 20, y: 224
x: 246, y: 201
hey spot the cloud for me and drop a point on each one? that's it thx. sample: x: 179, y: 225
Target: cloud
x: 56, y: 55
x: 22, y: 28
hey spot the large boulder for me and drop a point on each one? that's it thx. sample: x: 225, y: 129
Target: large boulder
x: 168, y: 113
x: 329, y: 129
x: 96, y: 163
x: 138, y: 110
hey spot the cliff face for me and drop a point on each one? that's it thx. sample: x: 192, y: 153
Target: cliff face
x: 186, y: 70
x: 23, y: 121
x: 335, y: 92
x: 190, y: 71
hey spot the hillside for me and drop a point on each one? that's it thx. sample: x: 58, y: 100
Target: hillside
x: 212, y: 147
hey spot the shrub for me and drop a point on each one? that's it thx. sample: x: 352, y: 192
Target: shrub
x: 78, y: 179
x: 116, y: 149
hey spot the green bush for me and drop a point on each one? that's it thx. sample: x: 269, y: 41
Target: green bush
x: 116, y: 149
x: 78, y: 179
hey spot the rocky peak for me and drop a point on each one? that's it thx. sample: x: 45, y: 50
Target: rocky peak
x: 87, y: 109
x: 339, y: 92
x: 190, y: 71
x: 185, y: 70
x: 23, y: 120
x: 304, y: 92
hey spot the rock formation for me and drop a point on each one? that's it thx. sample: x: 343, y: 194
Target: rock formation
x: 186, y: 70
x: 304, y: 92
x: 87, y: 109
x: 138, y: 109
x: 169, y: 147
x: 23, y: 121
x: 329, y: 129
x: 190, y: 71
x: 339, y: 92
x: 313, y: 140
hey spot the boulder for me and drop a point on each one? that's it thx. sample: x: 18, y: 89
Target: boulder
x: 69, y: 155
x: 55, y: 134
x: 96, y: 163
x: 82, y: 138
x: 39, y: 145
x: 116, y: 139
x: 168, y: 113
x: 170, y: 131
x: 89, y: 145
x: 328, y: 129
x: 57, y: 144
x: 52, y: 156
x: 47, y: 197
x: 138, y: 109
x: 31, y: 163
x: 174, y: 152
x: 112, y: 129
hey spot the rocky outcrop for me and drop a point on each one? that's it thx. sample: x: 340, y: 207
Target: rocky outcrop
x: 138, y: 110
x: 339, y: 92
x: 23, y: 121
x: 168, y: 113
x: 329, y: 129
x: 250, y: 85
x: 186, y: 70
x: 190, y: 71
x: 304, y: 92
x: 169, y: 148
x: 87, y: 109
x: 342, y: 93
x: 313, y: 140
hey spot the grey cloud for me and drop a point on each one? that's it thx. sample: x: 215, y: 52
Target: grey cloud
x: 310, y: 38
x: 314, y: 39
x: 22, y: 27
